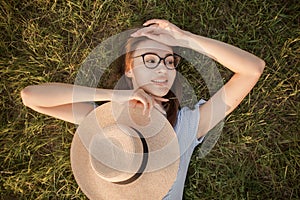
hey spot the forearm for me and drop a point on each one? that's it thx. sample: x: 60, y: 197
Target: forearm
x: 55, y: 94
x: 235, y: 59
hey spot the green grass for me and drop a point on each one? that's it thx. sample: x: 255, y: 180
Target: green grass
x: 257, y: 155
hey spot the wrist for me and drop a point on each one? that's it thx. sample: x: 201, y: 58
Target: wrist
x: 103, y: 95
x: 121, y: 96
x: 194, y: 42
x: 183, y: 38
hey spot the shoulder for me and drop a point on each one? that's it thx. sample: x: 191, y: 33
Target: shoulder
x: 186, y: 127
x: 188, y: 118
x: 189, y: 113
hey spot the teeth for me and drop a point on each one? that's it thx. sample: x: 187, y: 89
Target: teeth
x: 160, y: 81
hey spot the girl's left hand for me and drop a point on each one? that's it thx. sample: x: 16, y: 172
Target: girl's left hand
x: 164, y: 32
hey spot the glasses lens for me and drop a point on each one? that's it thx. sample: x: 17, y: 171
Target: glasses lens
x: 172, y: 61
x: 177, y: 59
x: 151, y: 60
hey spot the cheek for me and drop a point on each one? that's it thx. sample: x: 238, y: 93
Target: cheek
x: 141, y: 75
x: 171, y: 77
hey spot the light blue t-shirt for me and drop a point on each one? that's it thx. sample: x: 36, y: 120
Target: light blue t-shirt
x: 186, y: 129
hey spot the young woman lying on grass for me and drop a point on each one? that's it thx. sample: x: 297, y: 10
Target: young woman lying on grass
x: 150, y: 64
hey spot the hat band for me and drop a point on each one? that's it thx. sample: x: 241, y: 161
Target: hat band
x: 143, y: 164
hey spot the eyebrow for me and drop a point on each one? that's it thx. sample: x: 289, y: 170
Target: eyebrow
x: 169, y: 54
x: 166, y: 53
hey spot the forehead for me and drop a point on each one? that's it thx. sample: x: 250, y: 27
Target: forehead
x: 153, y: 47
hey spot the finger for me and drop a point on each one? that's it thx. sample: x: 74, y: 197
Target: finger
x: 133, y: 103
x: 151, y: 106
x: 161, y: 99
x: 159, y: 108
x: 151, y: 21
x: 162, y: 38
x: 148, y: 106
x: 144, y: 103
x: 157, y: 35
x: 144, y: 100
x: 142, y: 31
x: 135, y: 100
x: 152, y: 25
x: 154, y: 21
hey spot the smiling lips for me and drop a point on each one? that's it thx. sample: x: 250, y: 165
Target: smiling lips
x: 161, y: 82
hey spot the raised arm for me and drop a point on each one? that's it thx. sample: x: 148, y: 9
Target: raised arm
x: 247, y: 68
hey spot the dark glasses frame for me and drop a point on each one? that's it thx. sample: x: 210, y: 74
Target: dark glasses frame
x: 176, y: 63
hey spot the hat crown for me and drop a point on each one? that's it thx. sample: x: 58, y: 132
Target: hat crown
x: 117, y: 154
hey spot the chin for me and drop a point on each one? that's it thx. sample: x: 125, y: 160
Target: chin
x: 160, y: 92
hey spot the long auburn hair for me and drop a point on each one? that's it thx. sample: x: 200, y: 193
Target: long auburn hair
x: 125, y: 63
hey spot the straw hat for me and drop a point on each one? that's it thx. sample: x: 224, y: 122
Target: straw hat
x: 117, y: 153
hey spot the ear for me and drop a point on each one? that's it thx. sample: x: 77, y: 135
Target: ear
x: 129, y: 73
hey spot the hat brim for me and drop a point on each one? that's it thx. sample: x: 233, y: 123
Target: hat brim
x: 152, y: 184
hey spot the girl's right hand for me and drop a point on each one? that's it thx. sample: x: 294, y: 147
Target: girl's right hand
x: 164, y: 32
x: 140, y: 98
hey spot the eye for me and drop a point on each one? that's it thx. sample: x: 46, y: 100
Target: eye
x: 170, y: 60
x: 150, y: 60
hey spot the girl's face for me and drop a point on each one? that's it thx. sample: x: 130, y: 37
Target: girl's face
x: 154, y: 79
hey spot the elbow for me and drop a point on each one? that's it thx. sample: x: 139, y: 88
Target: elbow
x: 255, y: 69
x: 261, y: 66
x: 25, y: 95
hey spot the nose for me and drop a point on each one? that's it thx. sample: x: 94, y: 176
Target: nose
x: 161, y: 68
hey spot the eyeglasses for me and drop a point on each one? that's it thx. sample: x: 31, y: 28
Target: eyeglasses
x: 152, y: 60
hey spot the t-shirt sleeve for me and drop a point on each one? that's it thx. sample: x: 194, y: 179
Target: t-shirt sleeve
x: 201, y: 102
x: 187, y: 125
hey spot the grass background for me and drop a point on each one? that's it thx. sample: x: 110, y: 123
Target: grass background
x: 257, y: 155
